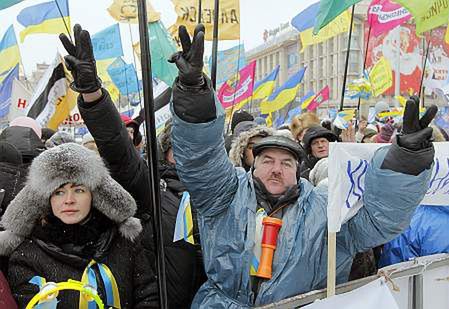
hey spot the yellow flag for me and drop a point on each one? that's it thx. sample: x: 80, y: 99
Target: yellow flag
x: 335, y: 27
x: 228, y: 23
x: 381, y: 77
x: 102, y: 67
x: 125, y: 11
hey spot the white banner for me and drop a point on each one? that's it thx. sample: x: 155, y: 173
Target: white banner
x: 374, y: 295
x: 348, y: 163
x: 20, y: 97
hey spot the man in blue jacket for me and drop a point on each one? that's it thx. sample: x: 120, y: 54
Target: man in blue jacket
x: 229, y: 200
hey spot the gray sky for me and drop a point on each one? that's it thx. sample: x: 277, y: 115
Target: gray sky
x: 255, y: 15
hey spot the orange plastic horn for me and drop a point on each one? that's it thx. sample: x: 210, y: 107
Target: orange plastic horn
x: 271, y: 227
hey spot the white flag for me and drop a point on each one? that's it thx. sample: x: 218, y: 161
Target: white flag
x: 20, y: 98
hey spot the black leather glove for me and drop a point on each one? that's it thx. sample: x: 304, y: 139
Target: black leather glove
x: 81, y: 61
x: 416, y: 133
x: 413, y: 151
x: 190, y: 60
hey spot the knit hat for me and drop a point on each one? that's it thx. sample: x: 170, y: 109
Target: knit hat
x: 67, y: 163
x: 27, y: 122
x: 319, y: 172
x: 386, y: 132
x: 238, y: 117
x: 59, y: 138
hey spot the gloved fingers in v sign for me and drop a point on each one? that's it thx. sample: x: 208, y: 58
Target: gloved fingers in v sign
x: 82, y: 49
x: 412, y: 123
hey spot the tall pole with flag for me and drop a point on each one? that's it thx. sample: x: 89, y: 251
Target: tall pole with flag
x: 215, y: 45
x: 152, y: 150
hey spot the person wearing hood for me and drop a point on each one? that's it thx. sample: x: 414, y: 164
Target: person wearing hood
x: 129, y: 169
x: 234, y: 205
x: 71, y: 218
x: 247, y: 133
x: 316, y: 144
x: 238, y: 117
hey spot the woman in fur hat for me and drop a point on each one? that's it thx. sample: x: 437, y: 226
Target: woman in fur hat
x: 70, y: 219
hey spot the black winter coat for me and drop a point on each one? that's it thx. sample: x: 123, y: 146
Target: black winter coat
x: 58, y: 252
x: 184, y: 267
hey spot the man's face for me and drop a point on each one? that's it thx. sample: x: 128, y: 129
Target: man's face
x: 248, y: 153
x: 320, y: 148
x: 276, y: 168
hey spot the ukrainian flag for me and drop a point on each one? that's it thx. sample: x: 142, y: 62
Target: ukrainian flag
x: 264, y: 87
x: 283, y: 95
x: 9, y: 52
x: 45, y: 18
x: 304, y: 22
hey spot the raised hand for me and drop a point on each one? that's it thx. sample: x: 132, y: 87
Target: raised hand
x: 81, y: 61
x: 190, y: 60
x: 416, y: 133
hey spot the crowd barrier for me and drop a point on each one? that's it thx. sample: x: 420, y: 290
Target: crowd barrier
x: 419, y: 284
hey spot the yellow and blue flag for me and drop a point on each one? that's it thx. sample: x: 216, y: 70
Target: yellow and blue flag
x: 184, y: 221
x: 48, y: 17
x: 6, y: 90
x: 283, y: 95
x: 265, y: 87
x: 305, y: 100
x: 305, y: 21
x: 9, y: 52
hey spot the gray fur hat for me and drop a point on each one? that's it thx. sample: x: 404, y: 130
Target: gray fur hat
x: 240, y: 143
x: 67, y: 163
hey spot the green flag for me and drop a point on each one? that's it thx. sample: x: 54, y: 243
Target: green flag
x: 428, y: 14
x: 162, y: 47
x: 329, y: 10
x: 7, y: 3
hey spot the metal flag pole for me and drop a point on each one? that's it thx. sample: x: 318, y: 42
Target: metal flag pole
x: 421, y: 88
x: 347, y: 60
x: 199, y: 10
x: 63, y: 20
x: 215, y: 45
x: 135, y: 64
x: 152, y: 150
x: 363, y: 70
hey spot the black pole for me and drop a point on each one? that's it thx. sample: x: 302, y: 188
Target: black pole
x: 424, y: 70
x: 199, y: 10
x: 215, y: 45
x: 347, y: 60
x: 63, y: 20
x: 152, y: 150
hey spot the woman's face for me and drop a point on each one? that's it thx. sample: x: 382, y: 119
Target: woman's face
x: 71, y: 203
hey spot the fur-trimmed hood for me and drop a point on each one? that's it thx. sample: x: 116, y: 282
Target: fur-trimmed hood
x: 55, y: 167
x: 240, y: 143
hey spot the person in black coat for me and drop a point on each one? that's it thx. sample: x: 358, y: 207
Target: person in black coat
x: 129, y: 169
x: 69, y: 215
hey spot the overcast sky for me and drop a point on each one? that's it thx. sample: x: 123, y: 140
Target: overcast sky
x: 256, y: 16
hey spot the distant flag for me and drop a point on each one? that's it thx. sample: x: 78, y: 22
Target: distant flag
x: 108, y: 84
x: 124, y: 76
x: 6, y: 90
x: 184, y: 222
x: 292, y: 113
x: 20, y: 98
x: 306, y: 99
x: 384, y: 15
x: 53, y: 99
x: 7, y: 3
x: 321, y: 96
x: 45, y: 18
x: 238, y: 89
x: 264, y: 88
x: 125, y: 11
x: 329, y: 10
x: 284, y: 94
x: 428, y: 14
x: 344, y: 118
x: 107, y: 43
x: 229, y: 61
x: 381, y: 77
x: 9, y: 52
x: 305, y: 20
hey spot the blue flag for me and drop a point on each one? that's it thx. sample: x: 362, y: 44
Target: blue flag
x: 6, y: 90
x: 123, y: 76
x: 107, y: 43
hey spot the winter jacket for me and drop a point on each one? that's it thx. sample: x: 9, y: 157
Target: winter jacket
x: 225, y: 199
x: 183, y: 261
x: 426, y: 235
x: 54, y: 253
x: 6, y: 299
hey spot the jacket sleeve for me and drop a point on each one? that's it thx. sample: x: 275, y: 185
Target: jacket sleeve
x: 145, y: 287
x: 399, y: 250
x: 116, y: 148
x: 201, y: 159
x: 390, y: 200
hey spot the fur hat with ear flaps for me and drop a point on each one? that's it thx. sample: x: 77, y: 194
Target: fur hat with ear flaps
x: 67, y: 163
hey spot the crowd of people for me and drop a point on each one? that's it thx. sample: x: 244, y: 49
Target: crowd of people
x: 83, y: 212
